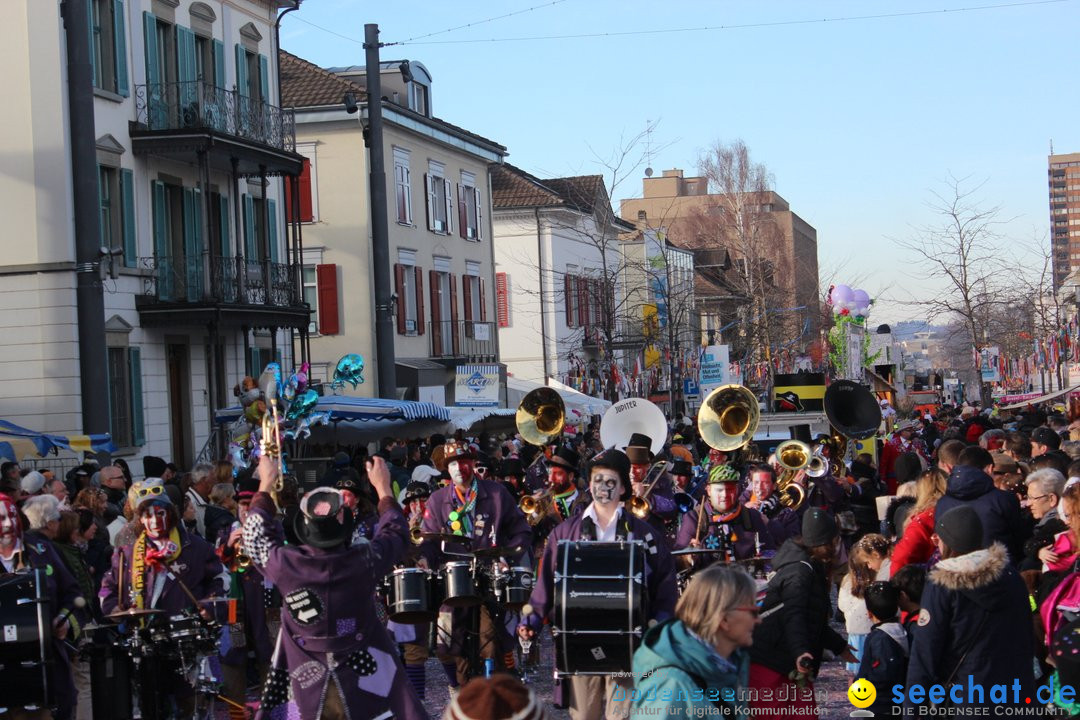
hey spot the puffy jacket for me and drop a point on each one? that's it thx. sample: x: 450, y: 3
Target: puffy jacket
x: 915, y: 546
x: 884, y: 663
x: 999, y: 510
x: 796, y: 613
x: 675, y: 672
x: 973, y: 622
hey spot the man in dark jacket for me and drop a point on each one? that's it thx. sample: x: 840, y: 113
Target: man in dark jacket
x: 973, y: 601
x: 998, y: 510
x: 795, y: 632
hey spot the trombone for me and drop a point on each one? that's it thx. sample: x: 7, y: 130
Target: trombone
x: 639, y: 505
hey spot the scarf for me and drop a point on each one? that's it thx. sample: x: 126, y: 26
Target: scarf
x: 564, y: 501
x: 460, y: 519
x: 153, y: 558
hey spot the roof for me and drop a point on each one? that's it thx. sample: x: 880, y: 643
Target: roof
x: 304, y: 84
x: 512, y: 187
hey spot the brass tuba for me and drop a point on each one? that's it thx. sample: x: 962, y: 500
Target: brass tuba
x: 792, y: 456
x: 541, y: 415
x: 728, y: 417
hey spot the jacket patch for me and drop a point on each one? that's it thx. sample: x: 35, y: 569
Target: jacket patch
x: 304, y: 605
x: 924, y: 617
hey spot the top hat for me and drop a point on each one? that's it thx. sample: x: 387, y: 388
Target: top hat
x: 457, y: 450
x: 317, y: 523
x: 639, y: 449
x: 616, y: 460
x: 681, y: 467
x: 511, y: 467
x: 567, y: 458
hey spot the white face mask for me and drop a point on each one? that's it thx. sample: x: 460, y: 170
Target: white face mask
x: 9, y: 524
x: 156, y: 522
x: 605, y: 486
x: 457, y: 473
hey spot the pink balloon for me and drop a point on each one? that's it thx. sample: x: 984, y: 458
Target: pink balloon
x: 841, y: 295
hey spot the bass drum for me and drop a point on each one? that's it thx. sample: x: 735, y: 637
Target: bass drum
x: 601, y: 606
x: 26, y: 650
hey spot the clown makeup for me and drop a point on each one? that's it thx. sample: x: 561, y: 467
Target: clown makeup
x: 9, y: 523
x: 461, y: 471
x: 416, y: 507
x: 681, y: 481
x: 638, y: 473
x: 155, y: 520
x: 605, y: 486
x: 351, y: 501
x: 762, y: 485
x: 558, y: 478
x: 723, y: 496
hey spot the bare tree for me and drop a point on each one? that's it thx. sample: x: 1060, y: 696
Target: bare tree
x: 961, y: 252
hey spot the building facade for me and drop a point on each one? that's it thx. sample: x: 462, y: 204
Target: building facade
x: 1064, y: 181
x: 440, y: 233
x: 191, y: 149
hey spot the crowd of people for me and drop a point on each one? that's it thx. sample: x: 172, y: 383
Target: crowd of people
x: 949, y: 558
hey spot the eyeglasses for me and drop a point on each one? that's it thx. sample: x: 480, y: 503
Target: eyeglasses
x: 753, y: 610
x: 1037, y: 497
x: 151, y: 490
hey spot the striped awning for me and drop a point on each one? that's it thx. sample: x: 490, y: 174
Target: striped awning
x: 346, y: 408
x: 17, y: 442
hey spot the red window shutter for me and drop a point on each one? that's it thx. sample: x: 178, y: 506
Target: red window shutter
x: 326, y: 291
x: 436, y: 315
x: 583, y: 302
x: 483, y: 300
x: 419, y: 275
x: 453, y: 312
x: 306, y: 213
x: 463, y: 217
x: 568, y: 294
x: 399, y: 283
x: 466, y: 287
x: 502, y: 299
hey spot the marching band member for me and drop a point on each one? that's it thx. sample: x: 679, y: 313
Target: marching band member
x: 682, y: 476
x: 604, y: 519
x: 483, y: 514
x: 157, y: 571
x: 512, y: 477
x: 639, y: 452
x: 334, y: 658
x: 737, y: 531
x: 783, y: 522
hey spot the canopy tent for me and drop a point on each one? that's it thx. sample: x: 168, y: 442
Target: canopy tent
x: 347, y: 408
x: 18, y: 443
x: 579, y: 406
x: 1041, y: 398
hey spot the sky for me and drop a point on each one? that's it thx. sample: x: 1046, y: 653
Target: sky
x: 858, y: 119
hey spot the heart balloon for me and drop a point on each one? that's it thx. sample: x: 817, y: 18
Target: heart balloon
x: 302, y: 405
x: 350, y: 369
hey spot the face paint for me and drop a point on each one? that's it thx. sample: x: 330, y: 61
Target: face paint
x: 461, y: 471
x: 9, y: 523
x: 558, y: 478
x: 605, y: 486
x: 242, y: 510
x: 762, y: 485
x: 351, y: 501
x: 723, y: 496
x: 638, y: 473
x: 716, y: 457
x: 681, y: 481
x: 155, y: 520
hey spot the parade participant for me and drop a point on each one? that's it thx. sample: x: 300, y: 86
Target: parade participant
x: 512, y: 477
x: 903, y: 441
x: 334, y: 659
x: 735, y: 531
x: 567, y: 497
x: 645, y: 477
x: 682, y: 475
x: 483, y: 514
x: 20, y: 552
x: 783, y: 522
x: 604, y: 520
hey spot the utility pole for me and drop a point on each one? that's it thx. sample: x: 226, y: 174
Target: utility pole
x: 380, y: 231
x: 89, y: 298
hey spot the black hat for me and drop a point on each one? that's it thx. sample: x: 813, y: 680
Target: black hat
x: 415, y: 490
x: 639, y: 449
x: 818, y: 528
x: 346, y: 479
x: 246, y: 485
x: 566, y: 458
x: 681, y: 467
x: 341, y: 459
x: 153, y: 467
x: 616, y: 460
x: 961, y: 529
x: 511, y: 467
x: 1046, y: 436
x: 317, y: 523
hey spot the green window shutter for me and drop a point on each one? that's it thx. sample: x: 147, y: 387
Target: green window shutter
x: 153, y: 72
x: 255, y: 358
x: 192, y: 245
x: 223, y: 207
x: 241, y: 71
x: 94, y: 60
x: 273, y: 230
x: 264, y: 79
x: 219, y: 64
x: 127, y: 199
x: 120, y: 45
x: 101, y: 210
x: 138, y: 430
x: 161, y: 241
x: 186, y: 74
x: 250, y: 247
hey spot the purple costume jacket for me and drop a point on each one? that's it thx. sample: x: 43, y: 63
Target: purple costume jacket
x: 748, y: 527
x: 329, y: 630
x: 496, y: 521
x: 197, y: 566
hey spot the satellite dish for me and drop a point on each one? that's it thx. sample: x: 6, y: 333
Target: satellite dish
x: 648, y: 172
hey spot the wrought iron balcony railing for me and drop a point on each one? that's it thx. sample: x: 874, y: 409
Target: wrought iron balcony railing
x: 463, y: 338
x: 225, y: 280
x: 200, y: 105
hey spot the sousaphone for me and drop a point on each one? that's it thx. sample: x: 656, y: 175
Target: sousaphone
x: 852, y: 410
x: 633, y: 415
x: 729, y: 417
x: 541, y: 415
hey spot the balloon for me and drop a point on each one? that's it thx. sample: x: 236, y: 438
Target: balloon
x: 303, y: 428
x: 302, y: 405
x: 237, y: 457
x: 350, y: 369
x: 862, y: 301
x: 841, y: 294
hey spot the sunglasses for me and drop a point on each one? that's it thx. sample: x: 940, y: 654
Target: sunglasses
x: 152, y: 490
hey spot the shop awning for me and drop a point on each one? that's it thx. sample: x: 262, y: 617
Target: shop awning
x: 579, y: 406
x: 18, y: 443
x: 347, y: 408
x: 1041, y: 398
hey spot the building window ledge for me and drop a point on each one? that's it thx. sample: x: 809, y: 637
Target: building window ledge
x: 106, y: 95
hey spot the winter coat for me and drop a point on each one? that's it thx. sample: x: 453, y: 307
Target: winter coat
x: 675, y: 672
x: 999, y: 510
x: 856, y: 620
x: 1048, y: 528
x: 973, y: 622
x: 916, y: 545
x: 885, y: 663
x: 796, y: 613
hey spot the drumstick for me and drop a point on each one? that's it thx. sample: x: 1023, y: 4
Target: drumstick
x: 191, y: 596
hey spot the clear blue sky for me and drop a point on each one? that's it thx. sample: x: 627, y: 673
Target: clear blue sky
x: 857, y: 120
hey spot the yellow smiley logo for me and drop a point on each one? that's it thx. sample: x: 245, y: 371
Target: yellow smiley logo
x: 862, y: 693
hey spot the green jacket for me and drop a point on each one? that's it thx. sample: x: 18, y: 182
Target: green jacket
x: 674, y: 672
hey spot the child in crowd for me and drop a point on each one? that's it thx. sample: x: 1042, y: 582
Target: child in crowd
x: 885, y: 654
x: 909, y: 581
x: 867, y: 557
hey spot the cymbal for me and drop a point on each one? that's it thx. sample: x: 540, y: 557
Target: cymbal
x: 698, y: 551
x: 497, y: 551
x: 215, y: 601
x: 98, y: 626
x: 444, y: 537
x: 134, y: 613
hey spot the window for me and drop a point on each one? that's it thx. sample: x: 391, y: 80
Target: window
x: 475, y: 303
x: 572, y: 299
x: 444, y: 314
x: 108, y: 46
x: 311, y: 296
x: 418, y: 98
x: 125, y: 397
x: 403, y: 191
x: 409, y: 286
x: 260, y: 237
x: 440, y: 199
x: 470, y: 212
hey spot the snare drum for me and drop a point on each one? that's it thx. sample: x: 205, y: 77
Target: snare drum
x: 601, y: 606
x: 513, y: 586
x: 459, y: 584
x: 410, y: 597
x: 184, y: 636
x: 26, y: 650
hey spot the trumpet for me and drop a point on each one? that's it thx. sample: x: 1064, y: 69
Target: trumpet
x: 639, y: 505
x: 536, y: 507
x: 242, y: 559
x: 416, y: 535
x: 793, y: 456
x: 270, y: 442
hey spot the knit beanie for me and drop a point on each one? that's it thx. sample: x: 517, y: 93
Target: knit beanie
x: 500, y: 697
x: 960, y: 529
x: 818, y: 528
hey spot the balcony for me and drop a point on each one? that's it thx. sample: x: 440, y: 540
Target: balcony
x: 223, y: 290
x: 462, y: 339
x: 182, y: 119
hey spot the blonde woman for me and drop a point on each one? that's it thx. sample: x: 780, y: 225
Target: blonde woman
x: 916, y: 546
